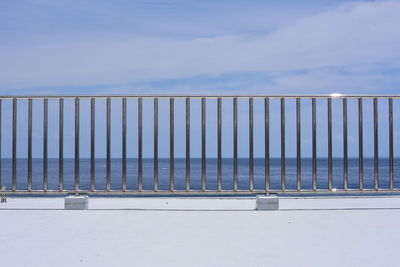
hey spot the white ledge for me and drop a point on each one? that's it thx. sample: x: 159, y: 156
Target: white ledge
x: 206, y: 203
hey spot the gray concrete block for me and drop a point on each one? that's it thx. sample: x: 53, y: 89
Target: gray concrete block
x: 267, y: 203
x: 76, y: 203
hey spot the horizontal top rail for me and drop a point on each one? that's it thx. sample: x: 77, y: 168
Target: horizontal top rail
x: 338, y: 96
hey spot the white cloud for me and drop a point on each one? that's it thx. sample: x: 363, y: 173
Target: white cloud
x: 329, y: 81
x: 352, y: 35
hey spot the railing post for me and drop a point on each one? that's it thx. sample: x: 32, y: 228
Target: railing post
x: 267, y: 145
x: 171, y: 146
x: 61, y: 145
x: 14, y: 146
x: 283, y: 156
x: 1, y: 115
x: 298, y: 141
x: 187, y: 178
x: 391, y: 168
x: 219, y: 127
x: 235, y: 146
x: 140, y: 145
x: 45, y: 147
x: 155, y: 163
x: 314, y: 144
x: 1, y: 158
x: 251, y: 146
x: 29, y: 144
x: 360, y: 145
x: 123, y: 144
x: 330, y: 182
x: 376, y: 148
x: 203, y: 145
x: 345, y: 158
x: 108, y: 144
x: 76, y: 182
x: 92, y: 143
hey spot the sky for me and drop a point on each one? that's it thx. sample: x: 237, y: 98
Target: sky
x: 219, y: 47
x: 198, y: 47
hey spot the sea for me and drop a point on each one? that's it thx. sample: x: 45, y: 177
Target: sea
x: 195, y: 173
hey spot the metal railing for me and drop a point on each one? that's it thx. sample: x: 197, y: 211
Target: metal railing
x: 221, y: 187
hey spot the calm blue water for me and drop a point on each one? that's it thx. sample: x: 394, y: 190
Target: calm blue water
x: 180, y: 169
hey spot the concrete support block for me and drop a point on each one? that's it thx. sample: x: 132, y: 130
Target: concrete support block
x: 3, y: 195
x: 76, y: 203
x: 267, y: 203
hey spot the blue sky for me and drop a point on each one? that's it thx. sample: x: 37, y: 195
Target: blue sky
x: 201, y: 46
x: 198, y: 47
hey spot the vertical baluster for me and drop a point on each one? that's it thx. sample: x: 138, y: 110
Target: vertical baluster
x: 251, y: 146
x: 376, y: 151
x: 203, y: 144
x: 391, y: 171
x: 45, y: 138
x: 235, y: 146
x: 171, y: 145
x: 61, y: 145
x: 155, y: 144
x: 1, y: 115
x: 76, y: 182
x: 314, y: 144
x: 124, y: 144
x: 140, y: 144
x: 330, y: 183
x: 92, y: 143
x: 108, y: 152
x: 29, y: 144
x: 14, y: 146
x: 283, y: 157
x: 187, y: 179
x: 360, y: 145
x: 219, y: 126
x: 298, y: 141
x: 345, y: 147
x: 266, y: 143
